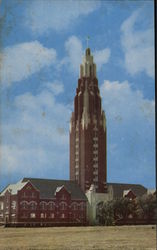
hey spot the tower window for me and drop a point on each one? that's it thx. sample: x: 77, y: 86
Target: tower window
x: 95, y: 138
x: 95, y: 165
x: 95, y: 178
x: 76, y: 177
x: 95, y: 152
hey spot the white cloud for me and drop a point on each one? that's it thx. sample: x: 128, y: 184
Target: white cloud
x: 101, y: 57
x: 121, y: 101
x: 75, y: 53
x: 138, y: 44
x: 73, y: 47
x: 56, y: 87
x: 131, y: 133
x: 36, y: 136
x: 57, y: 15
x: 22, y: 60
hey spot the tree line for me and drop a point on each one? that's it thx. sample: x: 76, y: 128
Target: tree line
x: 141, y: 210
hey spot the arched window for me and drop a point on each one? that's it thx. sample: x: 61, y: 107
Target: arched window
x: 43, y: 205
x: 74, y: 206
x: 51, y: 205
x: 63, y: 205
x: 33, y: 205
x: 24, y: 205
x: 82, y: 205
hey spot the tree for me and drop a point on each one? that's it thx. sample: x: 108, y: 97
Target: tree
x: 105, y: 213
x: 124, y: 209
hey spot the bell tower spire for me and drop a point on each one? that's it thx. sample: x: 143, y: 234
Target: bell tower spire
x: 88, y: 163
x: 88, y: 67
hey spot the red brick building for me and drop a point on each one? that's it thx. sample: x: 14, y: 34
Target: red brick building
x: 33, y: 202
x: 88, y: 163
x: 42, y: 202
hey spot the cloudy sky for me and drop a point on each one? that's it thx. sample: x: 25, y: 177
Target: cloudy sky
x: 42, y: 43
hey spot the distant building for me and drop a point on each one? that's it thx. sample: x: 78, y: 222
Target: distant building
x: 115, y: 191
x: 43, y: 202
x: 119, y: 190
x: 88, y: 133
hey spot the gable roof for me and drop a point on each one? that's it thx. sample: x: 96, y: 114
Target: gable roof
x: 118, y: 189
x: 47, y: 187
x: 13, y: 188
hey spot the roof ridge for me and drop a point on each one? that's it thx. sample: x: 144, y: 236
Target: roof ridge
x: 119, y: 183
x: 32, y: 178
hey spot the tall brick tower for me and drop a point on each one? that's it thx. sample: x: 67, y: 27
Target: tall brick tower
x: 88, y: 163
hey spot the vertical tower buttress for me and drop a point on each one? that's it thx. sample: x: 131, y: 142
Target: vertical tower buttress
x: 88, y: 132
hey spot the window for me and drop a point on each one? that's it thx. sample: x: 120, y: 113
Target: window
x: 77, y: 172
x: 82, y: 205
x: 1, y: 215
x: 13, y: 205
x: 33, y: 195
x: 63, y: 205
x: 24, y: 195
x: 95, y: 138
x: 74, y: 206
x: 1, y: 205
x: 95, y: 178
x: 24, y: 205
x: 43, y: 205
x: 95, y: 172
x: 43, y: 215
x: 32, y: 215
x: 95, y: 165
x: 33, y: 205
x: 95, y: 152
x: 63, y: 197
x: 95, y: 159
x: 52, y: 215
x: 51, y: 205
x: 62, y: 216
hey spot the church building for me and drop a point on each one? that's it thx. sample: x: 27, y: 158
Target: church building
x: 47, y: 202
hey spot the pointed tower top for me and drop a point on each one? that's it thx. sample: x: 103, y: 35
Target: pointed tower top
x: 87, y: 39
x: 88, y: 52
x: 88, y: 67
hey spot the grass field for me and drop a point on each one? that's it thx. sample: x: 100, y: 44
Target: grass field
x: 79, y: 238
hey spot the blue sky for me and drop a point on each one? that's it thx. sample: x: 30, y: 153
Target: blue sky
x: 42, y: 43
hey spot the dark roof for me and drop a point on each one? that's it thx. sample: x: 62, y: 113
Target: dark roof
x: 47, y: 187
x: 118, y: 189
